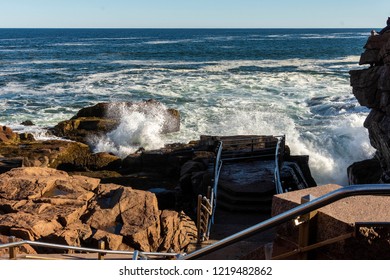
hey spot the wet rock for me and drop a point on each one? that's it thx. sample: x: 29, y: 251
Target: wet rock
x: 82, y: 128
x: 133, y: 163
x: 6, y: 164
x: 104, y: 161
x: 364, y: 172
x: 27, y: 123
x: 384, y: 53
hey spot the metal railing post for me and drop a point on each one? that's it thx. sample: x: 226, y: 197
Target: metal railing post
x: 217, y: 171
x: 198, y: 218
x: 12, y: 250
x: 135, y: 255
x: 305, y: 225
x: 101, y: 246
x: 278, y: 183
x: 83, y: 249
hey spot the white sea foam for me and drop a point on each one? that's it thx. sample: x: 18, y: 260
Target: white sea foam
x: 221, y: 97
x: 332, y: 148
x: 52, y: 61
x: 138, y: 128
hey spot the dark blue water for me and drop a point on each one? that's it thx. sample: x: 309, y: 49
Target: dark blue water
x: 224, y: 81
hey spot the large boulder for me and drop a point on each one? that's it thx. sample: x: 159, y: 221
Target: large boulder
x: 141, y: 219
x: 134, y: 215
x: 364, y: 172
x: 105, y: 117
x: 177, y: 231
x: 44, y: 204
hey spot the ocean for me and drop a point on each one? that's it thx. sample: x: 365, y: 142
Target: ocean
x: 223, y: 82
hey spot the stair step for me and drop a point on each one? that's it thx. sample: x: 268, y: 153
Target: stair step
x: 264, y: 207
x: 244, y: 198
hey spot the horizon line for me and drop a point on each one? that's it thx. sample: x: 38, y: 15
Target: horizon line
x: 187, y: 28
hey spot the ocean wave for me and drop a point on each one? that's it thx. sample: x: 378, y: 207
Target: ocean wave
x: 113, y: 38
x: 73, y: 44
x: 264, y: 96
x: 164, y: 42
x: 52, y: 61
x: 159, y: 77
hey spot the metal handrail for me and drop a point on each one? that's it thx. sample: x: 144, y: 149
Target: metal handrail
x: 353, y: 190
x: 214, y: 190
x: 278, y: 183
x: 83, y: 249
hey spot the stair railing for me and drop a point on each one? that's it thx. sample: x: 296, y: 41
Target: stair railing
x: 353, y: 190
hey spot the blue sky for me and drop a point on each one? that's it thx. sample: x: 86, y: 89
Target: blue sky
x: 193, y: 13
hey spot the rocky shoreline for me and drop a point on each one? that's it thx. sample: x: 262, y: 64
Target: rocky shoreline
x: 61, y: 191
x: 39, y: 200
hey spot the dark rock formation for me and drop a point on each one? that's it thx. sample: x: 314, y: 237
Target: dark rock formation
x: 365, y: 171
x: 27, y: 123
x: 371, y: 88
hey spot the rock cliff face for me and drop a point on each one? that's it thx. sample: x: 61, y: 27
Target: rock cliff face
x: 371, y: 88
